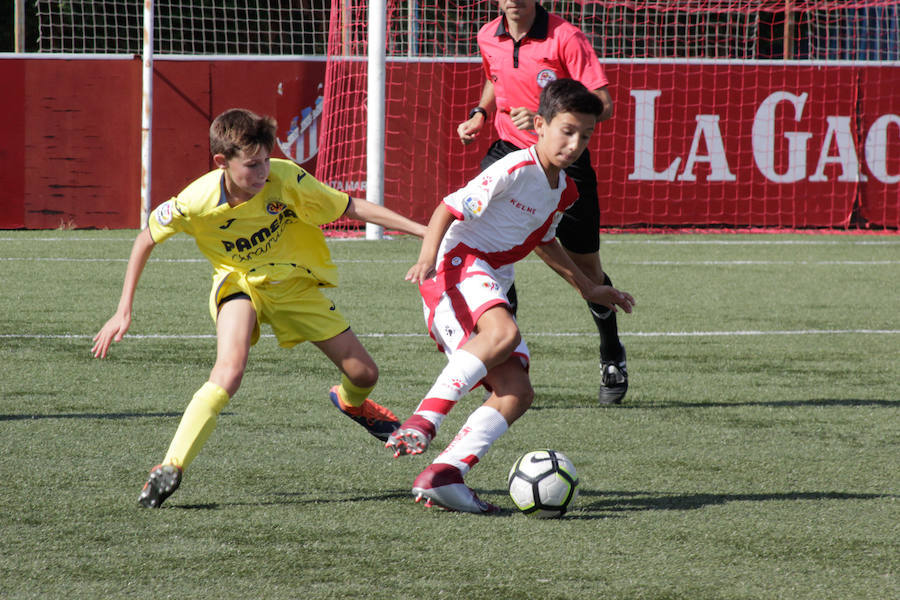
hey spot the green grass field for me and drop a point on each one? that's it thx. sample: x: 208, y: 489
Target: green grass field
x: 757, y: 455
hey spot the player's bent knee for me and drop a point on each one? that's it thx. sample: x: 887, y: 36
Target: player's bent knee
x: 228, y: 375
x: 505, y: 339
x: 525, y: 397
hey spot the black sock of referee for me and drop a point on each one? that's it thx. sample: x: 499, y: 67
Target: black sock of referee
x: 605, y: 320
x: 513, y: 298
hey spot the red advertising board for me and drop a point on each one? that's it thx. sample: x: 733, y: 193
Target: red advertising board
x: 189, y: 94
x: 880, y: 145
x: 688, y: 146
x: 691, y: 144
x: 708, y: 143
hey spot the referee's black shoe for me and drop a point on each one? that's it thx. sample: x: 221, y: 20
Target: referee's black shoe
x: 613, y: 381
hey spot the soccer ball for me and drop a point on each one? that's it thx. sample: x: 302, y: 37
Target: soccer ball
x: 543, y: 483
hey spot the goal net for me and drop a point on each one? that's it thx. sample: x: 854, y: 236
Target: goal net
x: 185, y: 27
x: 729, y: 113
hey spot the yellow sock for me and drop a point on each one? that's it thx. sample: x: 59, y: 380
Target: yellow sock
x: 352, y: 395
x: 196, y: 425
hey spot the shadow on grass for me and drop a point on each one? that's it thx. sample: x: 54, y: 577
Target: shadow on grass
x: 300, y: 499
x: 296, y: 498
x: 621, y: 501
x: 113, y: 416
x: 590, y: 505
x: 823, y: 402
x: 553, y: 402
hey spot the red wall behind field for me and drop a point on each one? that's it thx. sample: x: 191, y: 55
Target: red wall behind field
x: 70, y: 142
x: 12, y: 144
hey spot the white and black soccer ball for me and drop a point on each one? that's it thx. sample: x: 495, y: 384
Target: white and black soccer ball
x: 543, y: 483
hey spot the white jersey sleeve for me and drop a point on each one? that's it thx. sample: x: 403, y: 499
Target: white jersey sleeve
x: 470, y: 201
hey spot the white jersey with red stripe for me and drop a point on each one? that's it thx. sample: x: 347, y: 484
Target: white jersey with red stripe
x: 503, y: 214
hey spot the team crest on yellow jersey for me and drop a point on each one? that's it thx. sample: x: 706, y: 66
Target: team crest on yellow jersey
x: 273, y: 208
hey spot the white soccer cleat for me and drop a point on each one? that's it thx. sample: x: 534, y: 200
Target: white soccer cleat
x: 412, y: 437
x: 443, y: 485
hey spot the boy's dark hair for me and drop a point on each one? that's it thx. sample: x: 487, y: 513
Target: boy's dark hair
x: 238, y: 129
x: 568, y: 95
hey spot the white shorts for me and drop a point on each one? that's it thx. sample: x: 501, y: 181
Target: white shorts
x: 455, y: 299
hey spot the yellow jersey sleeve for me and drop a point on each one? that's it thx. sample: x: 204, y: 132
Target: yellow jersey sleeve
x: 314, y: 202
x: 174, y: 215
x: 163, y: 223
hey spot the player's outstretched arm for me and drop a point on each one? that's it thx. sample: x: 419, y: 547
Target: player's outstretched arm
x: 116, y: 327
x: 440, y: 222
x: 559, y: 260
x: 369, y: 212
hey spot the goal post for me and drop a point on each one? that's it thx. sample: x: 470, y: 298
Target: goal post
x: 375, y: 122
x: 19, y: 26
x: 147, y: 113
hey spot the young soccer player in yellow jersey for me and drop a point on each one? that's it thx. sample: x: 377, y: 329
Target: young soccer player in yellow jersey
x: 257, y: 221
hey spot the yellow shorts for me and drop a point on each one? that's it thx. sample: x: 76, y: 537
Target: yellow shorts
x: 297, y: 310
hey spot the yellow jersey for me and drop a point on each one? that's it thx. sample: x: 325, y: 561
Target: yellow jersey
x: 274, y: 236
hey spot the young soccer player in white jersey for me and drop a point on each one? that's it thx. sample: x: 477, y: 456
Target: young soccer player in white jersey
x: 257, y: 221
x: 464, y: 270
x: 522, y: 49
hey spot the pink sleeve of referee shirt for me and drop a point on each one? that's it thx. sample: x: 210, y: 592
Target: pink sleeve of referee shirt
x: 581, y: 60
x: 483, y: 35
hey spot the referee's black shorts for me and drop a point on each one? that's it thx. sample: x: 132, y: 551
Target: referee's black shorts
x: 579, y: 229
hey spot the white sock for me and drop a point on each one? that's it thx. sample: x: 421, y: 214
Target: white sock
x: 476, y: 437
x: 463, y: 372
